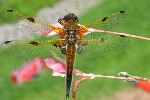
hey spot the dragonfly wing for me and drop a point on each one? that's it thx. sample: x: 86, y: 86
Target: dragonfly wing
x: 108, y: 43
x: 28, y: 50
x: 29, y: 25
x: 108, y: 22
x: 98, y: 49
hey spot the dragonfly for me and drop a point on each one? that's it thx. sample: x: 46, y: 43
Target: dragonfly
x: 67, y: 38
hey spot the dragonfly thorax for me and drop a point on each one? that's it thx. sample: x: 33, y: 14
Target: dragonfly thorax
x: 71, y: 37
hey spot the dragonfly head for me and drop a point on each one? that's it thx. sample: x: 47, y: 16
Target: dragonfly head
x: 70, y: 18
x: 70, y: 22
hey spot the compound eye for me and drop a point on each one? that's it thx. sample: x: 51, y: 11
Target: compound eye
x: 59, y: 20
x: 66, y: 19
x: 75, y: 19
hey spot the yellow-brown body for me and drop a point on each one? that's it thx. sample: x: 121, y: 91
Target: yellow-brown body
x: 71, y: 27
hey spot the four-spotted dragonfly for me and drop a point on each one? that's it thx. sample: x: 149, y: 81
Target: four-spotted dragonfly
x: 67, y: 38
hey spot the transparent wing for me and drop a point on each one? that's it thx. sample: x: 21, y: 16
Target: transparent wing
x: 108, y: 22
x: 27, y: 25
x: 100, y: 45
x: 28, y: 50
x: 98, y: 49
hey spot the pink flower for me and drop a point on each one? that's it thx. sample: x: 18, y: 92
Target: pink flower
x: 28, y: 71
x: 50, y: 32
x: 47, y: 33
x: 60, y: 69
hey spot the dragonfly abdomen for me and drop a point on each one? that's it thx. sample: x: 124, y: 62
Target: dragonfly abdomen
x: 70, y: 57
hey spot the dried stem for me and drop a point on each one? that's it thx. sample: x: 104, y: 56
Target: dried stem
x: 76, y: 85
x: 84, y: 77
x: 58, y: 58
x: 119, y: 33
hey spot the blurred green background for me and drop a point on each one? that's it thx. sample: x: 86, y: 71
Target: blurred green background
x: 134, y: 59
x: 31, y: 7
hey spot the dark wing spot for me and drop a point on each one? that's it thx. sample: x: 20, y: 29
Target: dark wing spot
x: 31, y: 19
x: 104, y: 19
x: 123, y: 36
x: 122, y: 11
x: 6, y: 42
x: 34, y: 43
x: 9, y: 10
x: 55, y: 45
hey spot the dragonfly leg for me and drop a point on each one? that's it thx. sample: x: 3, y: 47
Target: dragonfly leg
x: 63, y: 49
x: 80, y: 49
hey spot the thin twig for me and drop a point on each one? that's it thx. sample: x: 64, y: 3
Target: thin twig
x: 119, y: 33
x: 92, y: 76
x: 58, y: 58
x: 76, y: 85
